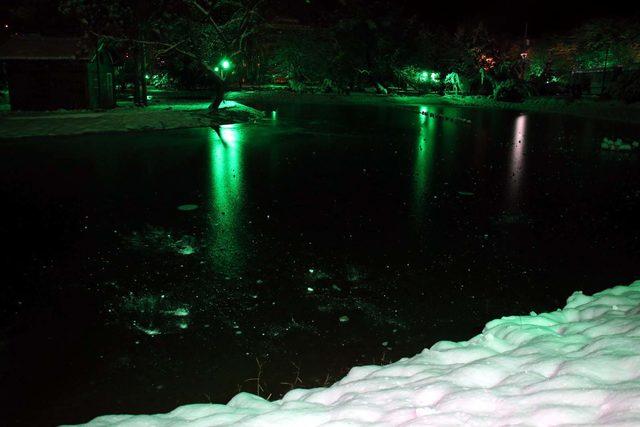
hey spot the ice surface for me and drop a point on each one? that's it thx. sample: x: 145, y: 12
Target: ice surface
x: 575, y: 366
x: 188, y: 207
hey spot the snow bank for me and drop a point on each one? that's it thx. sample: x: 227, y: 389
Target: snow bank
x: 578, y: 366
x: 159, y: 116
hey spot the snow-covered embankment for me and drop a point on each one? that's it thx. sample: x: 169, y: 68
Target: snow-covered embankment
x: 579, y: 366
x: 123, y: 119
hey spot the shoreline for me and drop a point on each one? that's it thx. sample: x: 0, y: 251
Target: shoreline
x: 585, y: 108
x: 159, y: 116
x: 192, y: 112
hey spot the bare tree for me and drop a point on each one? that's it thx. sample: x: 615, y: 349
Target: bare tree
x: 203, y: 30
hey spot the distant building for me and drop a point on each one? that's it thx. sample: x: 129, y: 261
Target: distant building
x: 596, y: 81
x: 49, y: 73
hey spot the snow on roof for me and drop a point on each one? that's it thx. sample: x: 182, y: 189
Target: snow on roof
x: 35, y: 47
x: 575, y: 366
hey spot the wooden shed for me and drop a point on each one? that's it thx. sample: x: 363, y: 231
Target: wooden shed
x: 49, y: 73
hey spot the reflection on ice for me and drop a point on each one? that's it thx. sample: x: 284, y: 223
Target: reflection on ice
x: 153, y: 314
x: 517, y: 158
x: 226, y: 196
x: 423, y: 162
x: 229, y: 135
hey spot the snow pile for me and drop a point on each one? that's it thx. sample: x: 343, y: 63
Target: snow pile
x: 579, y: 366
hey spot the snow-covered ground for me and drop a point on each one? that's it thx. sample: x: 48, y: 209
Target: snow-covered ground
x: 575, y: 366
x: 165, y: 115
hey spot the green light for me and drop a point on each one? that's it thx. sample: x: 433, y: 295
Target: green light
x: 229, y: 135
x: 423, y: 166
x: 423, y: 114
x: 226, y: 64
x: 425, y: 76
x: 216, y: 69
x: 226, y: 198
x: 146, y: 76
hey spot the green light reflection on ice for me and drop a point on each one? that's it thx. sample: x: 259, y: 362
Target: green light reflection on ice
x: 423, y: 166
x: 230, y: 136
x: 227, y: 197
x: 423, y: 112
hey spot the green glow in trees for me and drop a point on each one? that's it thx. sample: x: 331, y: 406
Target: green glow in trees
x: 420, y: 79
x: 452, y: 82
x: 426, y: 76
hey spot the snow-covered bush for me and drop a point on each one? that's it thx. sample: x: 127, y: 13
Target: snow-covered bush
x: 453, y: 83
x: 511, y: 91
x: 422, y: 80
x: 481, y: 83
x: 505, y: 70
x: 547, y: 87
x: 160, y: 80
x: 297, y: 86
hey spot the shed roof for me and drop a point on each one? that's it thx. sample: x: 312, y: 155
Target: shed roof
x: 34, y: 47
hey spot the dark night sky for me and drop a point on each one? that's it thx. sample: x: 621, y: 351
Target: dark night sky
x: 500, y: 16
x: 541, y: 15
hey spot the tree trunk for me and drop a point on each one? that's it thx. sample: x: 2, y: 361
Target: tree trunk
x: 218, y: 88
x: 140, y: 82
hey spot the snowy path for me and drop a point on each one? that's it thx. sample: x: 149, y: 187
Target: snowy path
x: 575, y: 366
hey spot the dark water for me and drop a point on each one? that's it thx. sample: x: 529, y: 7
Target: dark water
x: 416, y: 229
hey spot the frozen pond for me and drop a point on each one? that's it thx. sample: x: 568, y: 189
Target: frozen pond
x: 146, y: 271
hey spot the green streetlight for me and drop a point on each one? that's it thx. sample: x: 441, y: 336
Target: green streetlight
x: 226, y: 64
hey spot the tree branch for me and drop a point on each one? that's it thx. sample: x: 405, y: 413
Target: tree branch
x: 168, y: 46
x: 206, y: 13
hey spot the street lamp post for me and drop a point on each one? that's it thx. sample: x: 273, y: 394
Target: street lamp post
x: 225, y: 65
